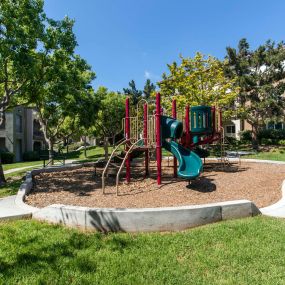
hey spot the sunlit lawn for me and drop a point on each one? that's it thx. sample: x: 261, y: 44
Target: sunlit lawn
x: 247, y: 251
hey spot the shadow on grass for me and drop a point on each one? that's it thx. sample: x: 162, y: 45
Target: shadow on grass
x: 10, y: 188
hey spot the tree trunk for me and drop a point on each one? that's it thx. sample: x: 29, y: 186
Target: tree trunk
x: 255, y: 145
x: 2, y: 176
x: 50, y: 152
x: 113, y: 141
x: 106, y: 148
x: 85, y: 151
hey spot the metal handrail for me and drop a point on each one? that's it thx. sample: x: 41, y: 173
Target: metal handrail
x: 123, y: 162
x: 108, y: 162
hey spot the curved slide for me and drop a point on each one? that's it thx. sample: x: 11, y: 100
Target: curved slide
x: 190, y: 164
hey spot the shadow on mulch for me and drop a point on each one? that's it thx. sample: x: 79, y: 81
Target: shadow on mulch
x: 209, y: 167
x: 202, y: 185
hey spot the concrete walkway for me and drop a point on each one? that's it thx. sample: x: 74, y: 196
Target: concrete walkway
x: 277, y: 209
x: 21, y: 168
x: 68, y: 161
x: 10, y: 211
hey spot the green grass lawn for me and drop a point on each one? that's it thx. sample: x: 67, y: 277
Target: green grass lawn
x: 247, y: 251
x: 14, y: 180
x: 274, y: 154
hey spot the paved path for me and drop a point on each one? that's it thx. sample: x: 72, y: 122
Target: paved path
x: 277, y: 209
x: 9, y: 210
x: 21, y: 168
x: 34, y: 166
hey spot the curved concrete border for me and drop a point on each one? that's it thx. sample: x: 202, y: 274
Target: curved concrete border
x: 277, y: 209
x: 143, y: 219
x: 26, y: 186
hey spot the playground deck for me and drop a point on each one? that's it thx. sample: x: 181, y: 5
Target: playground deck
x: 260, y: 183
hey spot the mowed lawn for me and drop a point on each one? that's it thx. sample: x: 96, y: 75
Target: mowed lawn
x: 246, y: 251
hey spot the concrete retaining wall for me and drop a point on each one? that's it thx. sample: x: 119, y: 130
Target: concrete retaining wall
x: 132, y: 220
x: 145, y: 219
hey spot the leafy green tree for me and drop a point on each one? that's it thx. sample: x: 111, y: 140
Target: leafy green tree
x: 112, y: 111
x: 260, y: 76
x: 61, y: 82
x: 21, y: 25
x: 134, y: 94
x: 148, y: 90
x: 198, y: 81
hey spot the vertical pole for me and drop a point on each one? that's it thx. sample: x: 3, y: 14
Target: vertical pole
x: 145, y: 135
x: 221, y: 119
x: 127, y: 136
x: 174, y: 116
x: 158, y: 138
x: 187, y: 125
x: 214, y: 119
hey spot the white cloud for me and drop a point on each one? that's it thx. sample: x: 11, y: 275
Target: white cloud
x: 147, y: 75
x: 150, y: 75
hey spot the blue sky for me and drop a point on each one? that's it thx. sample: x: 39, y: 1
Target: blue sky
x: 135, y: 39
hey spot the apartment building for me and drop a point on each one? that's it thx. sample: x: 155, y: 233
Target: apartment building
x: 21, y: 132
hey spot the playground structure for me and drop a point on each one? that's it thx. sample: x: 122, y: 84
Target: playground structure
x: 200, y: 125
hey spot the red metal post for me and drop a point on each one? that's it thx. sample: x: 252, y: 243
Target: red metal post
x: 187, y: 125
x: 158, y: 138
x: 127, y: 136
x: 145, y: 134
x: 174, y: 116
x: 214, y: 119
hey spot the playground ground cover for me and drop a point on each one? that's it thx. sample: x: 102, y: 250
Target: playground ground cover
x: 246, y: 251
x: 257, y: 182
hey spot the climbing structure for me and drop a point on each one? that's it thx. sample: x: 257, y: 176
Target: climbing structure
x: 152, y: 132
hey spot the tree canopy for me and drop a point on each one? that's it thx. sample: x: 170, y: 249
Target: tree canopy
x: 21, y: 28
x: 260, y: 76
x: 198, y: 81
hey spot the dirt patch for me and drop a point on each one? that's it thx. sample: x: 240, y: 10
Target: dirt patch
x: 260, y: 183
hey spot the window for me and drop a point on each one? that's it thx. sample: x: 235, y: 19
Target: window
x: 18, y: 123
x: 37, y: 128
x: 275, y: 126
x: 231, y: 129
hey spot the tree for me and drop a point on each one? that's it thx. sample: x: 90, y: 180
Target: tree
x: 110, y: 115
x: 134, y: 94
x: 149, y: 88
x: 61, y: 81
x: 198, y: 81
x: 21, y: 25
x: 260, y: 76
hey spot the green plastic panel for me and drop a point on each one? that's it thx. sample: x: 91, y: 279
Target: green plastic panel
x: 201, y: 119
x: 171, y: 128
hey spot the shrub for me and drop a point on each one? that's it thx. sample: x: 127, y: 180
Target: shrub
x: 31, y: 156
x: 266, y: 141
x: 246, y: 136
x: 75, y: 146
x: 281, y: 142
x: 232, y: 141
x: 201, y: 152
x: 274, y: 135
x: 7, y: 157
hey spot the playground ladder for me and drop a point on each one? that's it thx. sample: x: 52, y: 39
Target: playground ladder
x: 132, y: 146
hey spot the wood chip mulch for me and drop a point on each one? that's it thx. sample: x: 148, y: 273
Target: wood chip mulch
x: 258, y: 182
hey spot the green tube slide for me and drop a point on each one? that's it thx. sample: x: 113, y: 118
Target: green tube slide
x: 190, y: 164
